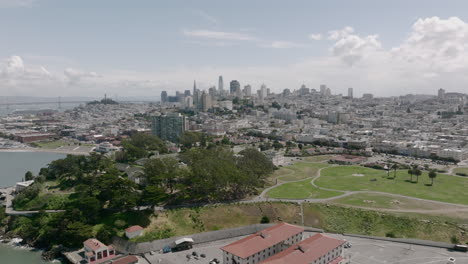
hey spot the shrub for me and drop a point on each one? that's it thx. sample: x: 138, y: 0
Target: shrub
x: 265, y: 220
x: 390, y: 234
x: 454, y: 240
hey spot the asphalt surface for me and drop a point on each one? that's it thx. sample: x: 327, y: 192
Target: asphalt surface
x: 363, y: 251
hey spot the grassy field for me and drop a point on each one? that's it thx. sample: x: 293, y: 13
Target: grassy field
x: 51, y: 144
x: 460, y: 170
x: 49, y: 198
x: 329, y: 217
x: 319, y: 158
x: 300, y: 190
x: 385, y: 201
x: 299, y: 171
x: 367, y: 222
x: 189, y: 221
x: 446, y: 188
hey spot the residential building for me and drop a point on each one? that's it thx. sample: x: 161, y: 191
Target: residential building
x: 317, y: 249
x: 169, y: 127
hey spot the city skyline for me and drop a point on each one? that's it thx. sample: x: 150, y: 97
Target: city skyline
x: 143, y: 50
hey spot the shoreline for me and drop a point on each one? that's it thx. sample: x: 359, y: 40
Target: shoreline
x: 55, y: 151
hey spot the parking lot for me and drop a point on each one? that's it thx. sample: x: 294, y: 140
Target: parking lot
x: 362, y: 251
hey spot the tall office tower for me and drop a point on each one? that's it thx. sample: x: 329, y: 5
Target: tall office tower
x: 304, y: 90
x: 323, y: 89
x: 268, y: 91
x: 328, y: 91
x: 194, y: 86
x: 221, y: 85
x: 196, y: 99
x: 248, y: 90
x: 212, y: 90
x: 187, y: 93
x: 286, y: 92
x: 263, y: 91
x: 188, y: 102
x: 163, y: 96
x: 350, y: 93
x: 206, y: 101
x: 441, y: 94
x: 169, y: 127
x: 233, y: 87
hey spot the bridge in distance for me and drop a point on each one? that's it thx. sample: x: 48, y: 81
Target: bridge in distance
x: 66, y: 102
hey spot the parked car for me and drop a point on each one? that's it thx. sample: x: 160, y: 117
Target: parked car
x: 463, y: 248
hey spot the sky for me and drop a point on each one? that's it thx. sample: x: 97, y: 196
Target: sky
x: 140, y: 48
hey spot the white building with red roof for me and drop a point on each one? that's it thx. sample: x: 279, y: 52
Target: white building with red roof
x: 317, y: 249
x: 97, y: 252
x: 133, y: 231
x: 262, y: 245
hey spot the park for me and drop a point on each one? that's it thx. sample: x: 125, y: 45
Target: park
x: 320, y: 180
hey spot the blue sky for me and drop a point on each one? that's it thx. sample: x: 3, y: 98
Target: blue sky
x: 138, y: 48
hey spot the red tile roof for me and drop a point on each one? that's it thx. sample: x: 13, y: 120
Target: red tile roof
x: 133, y: 229
x: 125, y: 260
x: 264, y: 239
x: 93, y: 244
x: 306, y: 251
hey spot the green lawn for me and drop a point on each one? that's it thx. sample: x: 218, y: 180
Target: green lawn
x: 299, y: 190
x: 51, y: 144
x: 299, y: 171
x: 318, y: 158
x: 45, y: 202
x: 460, y: 170
x: 446, y: 188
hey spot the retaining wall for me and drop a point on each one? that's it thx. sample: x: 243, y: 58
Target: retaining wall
x: 130, y: 247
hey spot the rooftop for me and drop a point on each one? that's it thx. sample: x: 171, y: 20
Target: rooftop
x: 133, y: 229
x: 306, y: 251
x: 93, y: 244
x: 262, y: 240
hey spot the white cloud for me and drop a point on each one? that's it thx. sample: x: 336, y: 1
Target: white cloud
x: 210, y: 34
x: 317, y: 36
x: 281, y: 45
x: 341, y: 33
x: 74, y: 76
x: 434, y: 54
x: 352, y: 48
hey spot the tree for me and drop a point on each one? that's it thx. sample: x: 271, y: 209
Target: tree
x: 410, y: 172
x: 394, y: 167
x: 190, y: 138
x: 432, y: 175
x: 277, y: 145
x: 417, y: 173
x: 276, y: 105
x: 153, y: 195
x: 162, y: 172
x: 28, y: 176
x: 117, y: 193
